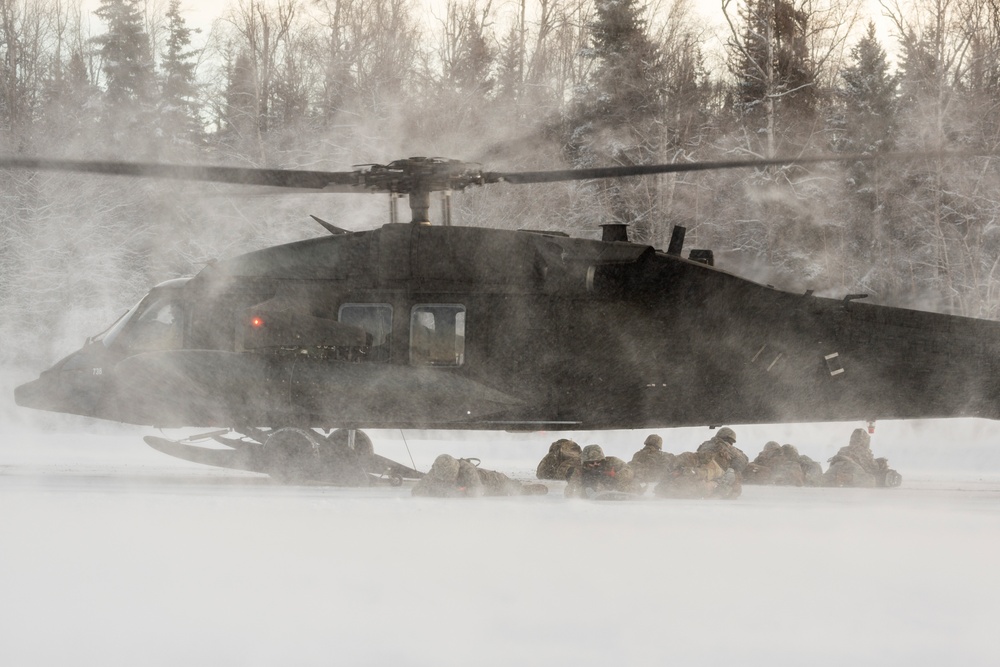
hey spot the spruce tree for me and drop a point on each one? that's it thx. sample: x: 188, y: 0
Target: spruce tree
x: 775, y: 93
x: 178, y: 104
x: 868, y: 121
x: 626, y: 87
x: 127, y: 64
x: 239, y: 127
x: 869, y: 97
x: 68, y: 115
x: 617, y: 116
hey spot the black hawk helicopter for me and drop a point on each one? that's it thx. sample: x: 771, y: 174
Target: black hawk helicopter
x: 451, y: 327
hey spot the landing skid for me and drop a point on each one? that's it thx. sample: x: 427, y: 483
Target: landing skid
x: 293, y: 455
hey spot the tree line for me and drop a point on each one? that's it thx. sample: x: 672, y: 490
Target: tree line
x: 324, y: 84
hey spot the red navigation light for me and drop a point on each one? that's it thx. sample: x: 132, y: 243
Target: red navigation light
x: 256, y: 322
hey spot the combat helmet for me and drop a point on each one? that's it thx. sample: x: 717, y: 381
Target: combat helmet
x: 790, y: 452
x: 654, y: 440
x: 592, y: 453
x: 860, y: 438
x: 569, y: 449
x: 444, y: 468
x: 727, y: 434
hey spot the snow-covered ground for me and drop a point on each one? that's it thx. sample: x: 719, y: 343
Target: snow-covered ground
x: 113, y: 554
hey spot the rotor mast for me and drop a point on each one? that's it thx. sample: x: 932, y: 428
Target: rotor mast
x: 420, y: 207
x: 417, y: 178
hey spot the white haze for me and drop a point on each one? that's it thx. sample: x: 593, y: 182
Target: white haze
x: 113, y: 554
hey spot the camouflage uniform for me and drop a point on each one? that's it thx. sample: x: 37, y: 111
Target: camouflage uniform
x: 846, y: 472
x: 812, y: 470
x: 758, y: 471
x: 599, y: 473
x: 450, y: 478
x: 782, y: 465
x: 855, y: 465
x: 698, y: 475
x: 460, y: 478
x: 722, y: 447
x: 650, y: 463
x: 563, y: 456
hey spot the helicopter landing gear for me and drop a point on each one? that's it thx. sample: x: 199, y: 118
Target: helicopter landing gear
x: 292, y: 455
x: 362, y: 445
x: 295, y: 455
x: 355, y: 445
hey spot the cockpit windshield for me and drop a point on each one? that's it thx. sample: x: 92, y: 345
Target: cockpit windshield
x: 108, y: 335
x: 155, y: 323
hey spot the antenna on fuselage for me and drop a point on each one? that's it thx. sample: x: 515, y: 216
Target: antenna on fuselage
x: 333, y: 229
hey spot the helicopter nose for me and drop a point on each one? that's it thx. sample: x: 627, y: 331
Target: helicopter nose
x: 45, y: 393
x: 61, y: 389
x: 30, y: 394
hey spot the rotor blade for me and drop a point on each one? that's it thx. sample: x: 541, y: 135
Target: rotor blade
x: 327, y: 181
x: 553, y: 176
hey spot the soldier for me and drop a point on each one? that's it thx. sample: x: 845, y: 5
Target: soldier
x: 855, y: 465
x: 650, y: 463
x: 782, y: 465
x: 698, y: 475
x: 599, y: 473
x: 563, y: 457
x: 758, y: 471
x: 722, y: 447
x: 812, y: 470
x: 460, y: 478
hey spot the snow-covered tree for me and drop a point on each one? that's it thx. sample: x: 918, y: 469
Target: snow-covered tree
x: 776, y: 88
x: 616, y: 117
x: 178, y: 104
x: 127, y: 64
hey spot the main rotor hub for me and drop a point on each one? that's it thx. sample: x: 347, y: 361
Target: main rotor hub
x: 420, y: 174
x: 418, y: 177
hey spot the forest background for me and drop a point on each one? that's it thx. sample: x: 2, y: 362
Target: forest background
x: 523, y: 84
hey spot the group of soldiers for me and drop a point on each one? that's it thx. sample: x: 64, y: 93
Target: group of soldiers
x: 711, y: 472
x: 717, y: 469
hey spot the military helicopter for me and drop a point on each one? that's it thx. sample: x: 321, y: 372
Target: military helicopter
x: 449, y: 327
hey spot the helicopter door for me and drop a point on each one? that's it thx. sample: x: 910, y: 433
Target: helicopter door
x: 437, y: 335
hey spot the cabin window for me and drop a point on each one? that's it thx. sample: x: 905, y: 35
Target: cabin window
x: 376, y: 320
x: 437, y: 334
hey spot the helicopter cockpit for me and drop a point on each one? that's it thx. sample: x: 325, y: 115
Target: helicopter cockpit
x: 76, y: 383
x: 154, y: 324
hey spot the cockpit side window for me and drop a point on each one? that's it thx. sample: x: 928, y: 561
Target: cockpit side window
x: 437, y: 334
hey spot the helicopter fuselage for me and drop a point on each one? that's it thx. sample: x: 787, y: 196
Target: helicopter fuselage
x: 412, y: 326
